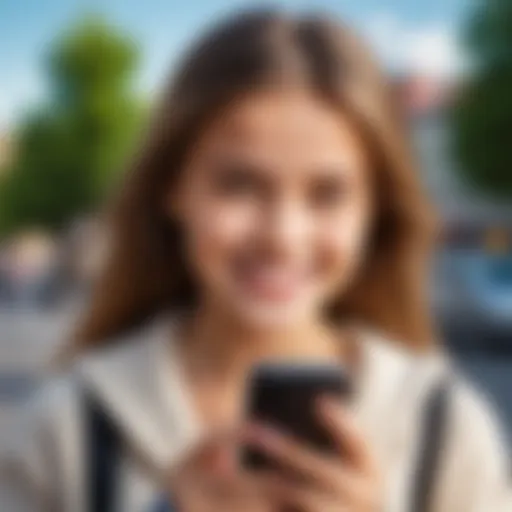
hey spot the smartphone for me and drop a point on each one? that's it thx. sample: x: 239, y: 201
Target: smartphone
x: 285, y: 396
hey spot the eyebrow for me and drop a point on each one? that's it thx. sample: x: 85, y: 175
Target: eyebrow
x: 247, y: 163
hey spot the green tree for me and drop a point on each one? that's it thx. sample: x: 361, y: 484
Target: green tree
x: 71, y: 149
x: 483, y: 116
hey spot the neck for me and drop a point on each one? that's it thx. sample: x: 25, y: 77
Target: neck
x: 216, y: 344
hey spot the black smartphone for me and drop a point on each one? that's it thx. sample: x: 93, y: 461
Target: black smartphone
x: 285, y: 396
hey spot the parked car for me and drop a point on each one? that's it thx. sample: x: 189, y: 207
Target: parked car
x: 472, y: 294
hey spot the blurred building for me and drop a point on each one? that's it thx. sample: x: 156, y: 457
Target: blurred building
x: 427, y: 103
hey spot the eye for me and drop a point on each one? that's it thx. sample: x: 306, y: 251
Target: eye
x: 328, y: 192
x: 236, y: 180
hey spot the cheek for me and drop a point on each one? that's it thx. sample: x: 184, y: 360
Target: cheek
x: 216, y: 230
x: 344, y: 240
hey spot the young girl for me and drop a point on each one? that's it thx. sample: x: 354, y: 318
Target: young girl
x: 274, y: 214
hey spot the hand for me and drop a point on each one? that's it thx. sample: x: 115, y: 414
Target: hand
x: 347, y: 481
x: 209, y: 480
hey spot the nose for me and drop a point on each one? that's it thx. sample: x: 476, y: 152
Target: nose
x: 286, y: 228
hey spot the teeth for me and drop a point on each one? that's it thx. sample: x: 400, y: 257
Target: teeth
x: 273, y: 276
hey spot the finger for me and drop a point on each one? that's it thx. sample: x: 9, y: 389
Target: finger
x: 194, y: 495
x: 238, y: 492
x: 304, y: 499
x: 339, y: 484
x: 291, y: 454
x: 314, y: 500
x: 217, y: 453
x: 346, y: 434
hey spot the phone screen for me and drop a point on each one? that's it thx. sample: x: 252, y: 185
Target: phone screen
x: 285, y: 396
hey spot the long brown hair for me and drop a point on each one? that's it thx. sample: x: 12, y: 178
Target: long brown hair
x: 146, y: 273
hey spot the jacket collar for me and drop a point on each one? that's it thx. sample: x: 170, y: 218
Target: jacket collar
x: 139, y: 383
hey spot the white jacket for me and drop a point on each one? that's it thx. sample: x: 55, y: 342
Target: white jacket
x: 138, y: 381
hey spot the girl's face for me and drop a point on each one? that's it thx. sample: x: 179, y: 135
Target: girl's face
x: 275, y: 205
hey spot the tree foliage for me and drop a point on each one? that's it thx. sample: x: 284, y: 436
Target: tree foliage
x: 483, y: 116
x: 70, y: 150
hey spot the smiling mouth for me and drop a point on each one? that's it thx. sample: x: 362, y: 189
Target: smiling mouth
x: 270, y: 282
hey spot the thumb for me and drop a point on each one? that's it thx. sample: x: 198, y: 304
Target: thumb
x: 218, y: 454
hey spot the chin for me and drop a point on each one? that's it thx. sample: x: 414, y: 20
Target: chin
x: 272, y: 315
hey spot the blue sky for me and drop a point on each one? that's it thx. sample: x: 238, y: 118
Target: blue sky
x: 407, y: 33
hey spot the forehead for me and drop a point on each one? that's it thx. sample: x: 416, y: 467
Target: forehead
x: 284, y: 129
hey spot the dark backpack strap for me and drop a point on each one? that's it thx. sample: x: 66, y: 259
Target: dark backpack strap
x: 435, y: 420
x: 103, y: 450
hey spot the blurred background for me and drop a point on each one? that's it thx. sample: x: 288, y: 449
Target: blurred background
x: 78, y: 78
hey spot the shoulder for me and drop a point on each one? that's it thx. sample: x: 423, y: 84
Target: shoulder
x: 61, y: 395
x: 474, y: 428
x: 135, y: 350
x: 477, y: 431
x: 40, y: 431
x: 392, y: 365
x: 475, y: 460
x: 43, y: 424
x: 49, y: 404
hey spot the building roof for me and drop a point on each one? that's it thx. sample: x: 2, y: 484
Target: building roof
x: 420, y: 94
